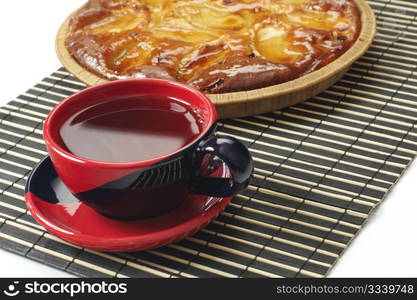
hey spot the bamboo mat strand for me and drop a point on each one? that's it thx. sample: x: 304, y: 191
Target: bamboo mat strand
x: 321, y: 167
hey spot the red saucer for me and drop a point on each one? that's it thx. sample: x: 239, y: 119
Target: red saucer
x: 58, y: 211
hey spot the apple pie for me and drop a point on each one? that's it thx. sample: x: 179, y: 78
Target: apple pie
x: 217, y: 46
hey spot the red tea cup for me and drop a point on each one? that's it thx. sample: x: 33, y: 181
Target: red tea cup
x: 118, y: 189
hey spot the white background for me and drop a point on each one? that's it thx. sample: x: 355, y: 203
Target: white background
x: 387, y: 246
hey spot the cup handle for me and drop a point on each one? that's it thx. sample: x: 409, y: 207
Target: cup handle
x: 236, y: 156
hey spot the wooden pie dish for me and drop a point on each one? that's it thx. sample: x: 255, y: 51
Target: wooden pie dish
x: 260, y: 100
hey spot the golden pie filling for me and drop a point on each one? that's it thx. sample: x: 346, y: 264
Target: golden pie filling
x: 217, y: 46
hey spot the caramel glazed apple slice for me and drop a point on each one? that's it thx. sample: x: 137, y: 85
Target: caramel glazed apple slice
x: 216, y: 46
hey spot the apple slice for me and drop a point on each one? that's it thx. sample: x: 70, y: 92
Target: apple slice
x: 315, y: 19
x: 272, y: 43
x: 206, y: 17
x: 119, y: 23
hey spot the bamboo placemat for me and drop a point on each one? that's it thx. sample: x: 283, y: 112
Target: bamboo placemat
x: 321, y: 167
